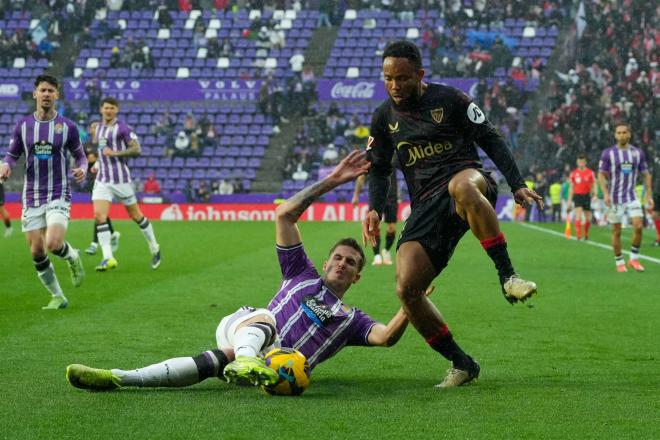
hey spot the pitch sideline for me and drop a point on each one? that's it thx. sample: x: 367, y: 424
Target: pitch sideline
x: 592, y: 243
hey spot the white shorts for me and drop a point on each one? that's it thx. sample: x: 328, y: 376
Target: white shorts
x: 56, y: 212
x: 123, y: 192
x: 224, y: 334
x: 616, y: 212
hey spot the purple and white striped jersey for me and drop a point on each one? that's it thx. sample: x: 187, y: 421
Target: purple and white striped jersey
x: 310, y: 318
x: 44, y: 144
x: 623, y: 165
x: 116, y: 136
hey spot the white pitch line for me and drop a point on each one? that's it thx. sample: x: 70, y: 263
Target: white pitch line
x: 592, y: 243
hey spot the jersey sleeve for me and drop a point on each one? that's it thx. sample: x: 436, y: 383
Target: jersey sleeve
x: 604, y: 162
x: 74, y: 145
x: 361, y: 329
x: 379, y: 153
x: 643, y: 165
x: 127, y: 134
x: 476, y: 126
x: 16, y: 147
x: 294, y: 261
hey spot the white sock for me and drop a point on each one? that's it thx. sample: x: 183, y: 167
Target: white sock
x: 175, y: 372
x: 634, y: 252
x: 67, y: 252
x: 104, y: 237
x: 249, y: 340
x: 148, y: 232
x: 49, y: 280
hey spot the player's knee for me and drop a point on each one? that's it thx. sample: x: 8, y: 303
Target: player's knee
x: 100, y: 217
x: 464, y: 191
x: 53, y: 244
x: 407, y: 292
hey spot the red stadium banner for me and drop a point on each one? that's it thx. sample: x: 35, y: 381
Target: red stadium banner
x: 330, y: 212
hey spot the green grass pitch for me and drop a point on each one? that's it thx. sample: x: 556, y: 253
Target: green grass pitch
x: 583, y: 363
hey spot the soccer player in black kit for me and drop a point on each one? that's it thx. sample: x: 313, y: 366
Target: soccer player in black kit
x: 434, y: 130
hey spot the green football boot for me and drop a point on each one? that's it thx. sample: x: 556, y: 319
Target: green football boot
x: 250, y: 370
x: 94, y: 379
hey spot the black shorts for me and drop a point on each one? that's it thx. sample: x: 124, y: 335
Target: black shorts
x: 435, y: 224
x: 582, y: 201
x: 2, y: 194
x: 390, y: 212
x: 656, y: 200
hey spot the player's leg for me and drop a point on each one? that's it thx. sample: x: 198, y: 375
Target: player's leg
x: 148, y: 232
x: 468, y: 189
x: 248, y: 332
x: 656, y: 221
x: 175, y: 372
x: 101, y: 210
x: 6, y: 220
x: 57, y: 219
x: 616, y: 246
x: 415, y: 272
x: 114, y: 237
x: 577, y: 214
x: 94, y: 244
x: 390, y: 235
x: 378, y: 259
x: 638, y: 226
x: 587, y: 223
x: 35, y: 236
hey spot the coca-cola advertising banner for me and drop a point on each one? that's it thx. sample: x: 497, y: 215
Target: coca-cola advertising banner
x: 167, y: 90
x: 325, y: 212
x: 10, y: 90
x: 357, y: 90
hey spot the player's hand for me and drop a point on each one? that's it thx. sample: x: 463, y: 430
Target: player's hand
x: 109, y: 152
x: 607, y: 200
x: 5, y: 171
x: 429, y: 290
x: 95, y: 168
x: 525, y: 197
x: 352, y: 166
x: 78, y: 174
x: 370, y: 228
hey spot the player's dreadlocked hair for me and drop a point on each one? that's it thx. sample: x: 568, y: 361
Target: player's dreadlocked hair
x: 350, y: 242
x: 404, y: 49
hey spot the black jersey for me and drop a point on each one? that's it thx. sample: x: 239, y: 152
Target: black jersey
x: 433, y: 140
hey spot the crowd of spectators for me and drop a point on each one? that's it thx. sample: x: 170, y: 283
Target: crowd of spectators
x: 615, y: 78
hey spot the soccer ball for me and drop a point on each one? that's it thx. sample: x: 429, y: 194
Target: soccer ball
x: 293, y: 370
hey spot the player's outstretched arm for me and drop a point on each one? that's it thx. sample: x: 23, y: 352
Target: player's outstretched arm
x: 288, y: 213
x: 387, y: 335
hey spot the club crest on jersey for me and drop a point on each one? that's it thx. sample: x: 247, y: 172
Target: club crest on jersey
x: 394, y: 128
x: 437, y: 115
x: 58, y: 128
x: 475, y: 114
x: 370, y: 141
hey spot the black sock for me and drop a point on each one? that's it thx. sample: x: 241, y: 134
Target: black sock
x: 389, y: 240
x: 41, y: 263
x: 61, y: 252
x: 7, y: 223
x: 211, y: 364
x: 143, y: 223
x: 496, y: 249
x: 376, y: 248
x: 443, y: 342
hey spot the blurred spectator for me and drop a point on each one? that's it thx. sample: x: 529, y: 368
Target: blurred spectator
x: 181, y: 145
x: 300, y: 174
x: 151, y: 185
x: 225, y: 187
x: 202, y: 194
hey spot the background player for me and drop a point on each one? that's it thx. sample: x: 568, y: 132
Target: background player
x: 308, y: 312
x: 45, y: 137
x: 389, y: 217
x: 620, y: 165
x: 3, y: 212
x: 656, y: 196
x: 117, y: 141
x: 582, y: 190
x: 92, y: 170
x: 434, y: 130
